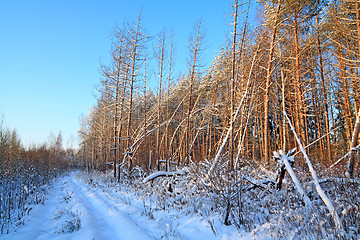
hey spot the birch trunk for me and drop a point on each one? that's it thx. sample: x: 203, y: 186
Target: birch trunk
x: 354, y: 143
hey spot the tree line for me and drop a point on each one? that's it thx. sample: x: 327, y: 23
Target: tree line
x: 25, y: 172
x: 302, y: 60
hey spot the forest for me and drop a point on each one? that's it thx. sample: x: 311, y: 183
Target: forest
x: 295, y: 76
x: 267, y: 133
x: 300, y: 62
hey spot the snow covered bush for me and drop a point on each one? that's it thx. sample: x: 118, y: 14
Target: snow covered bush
x: 257, y: 206
x: 20, y: 187
x: 67, y: 222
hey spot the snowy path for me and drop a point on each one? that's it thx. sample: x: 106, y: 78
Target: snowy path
x: 76, y: 210
x: 108, y: 219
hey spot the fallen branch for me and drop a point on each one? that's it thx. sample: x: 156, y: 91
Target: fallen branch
x: 338, y: 180
x: 345, y: 156
x: 171, y: 162
x: 164, y: 174
x: 318, y: 139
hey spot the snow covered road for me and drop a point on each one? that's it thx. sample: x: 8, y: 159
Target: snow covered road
x: 77, y: 210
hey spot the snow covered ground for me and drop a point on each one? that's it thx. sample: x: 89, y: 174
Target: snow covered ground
x: 77, y: 209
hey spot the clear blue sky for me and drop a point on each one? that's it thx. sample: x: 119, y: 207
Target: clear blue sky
x: 50, y: 53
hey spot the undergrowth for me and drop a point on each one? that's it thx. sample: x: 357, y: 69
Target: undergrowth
x: 255, y: 208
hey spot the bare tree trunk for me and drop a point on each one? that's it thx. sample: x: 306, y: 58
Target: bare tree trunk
x: 145, y: 118
x: 317, y: 106
x: 121, y: 127
x: 283, y: 105
x: 232, y: 87
x: 267, y: 86
x: 136, y: 37
x: 115, y: 126
x: 195, y: 48
x: 326, y: 105
x: 357, y: 78
x: 171, y: 63
x: 298, y: 87
x: 117, y: 57
x: 346, y: 105
x: 161, y: 59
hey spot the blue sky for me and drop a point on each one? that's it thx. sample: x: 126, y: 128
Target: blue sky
x: 50, y: 52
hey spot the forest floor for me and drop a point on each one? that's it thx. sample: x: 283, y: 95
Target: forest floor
x: 77, y: 209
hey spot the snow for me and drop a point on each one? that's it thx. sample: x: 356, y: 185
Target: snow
x: 94, y: 205
x: 75, y: 209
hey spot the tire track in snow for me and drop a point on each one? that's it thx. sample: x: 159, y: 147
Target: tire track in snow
x: 111, y: 222
x: 163, y: 227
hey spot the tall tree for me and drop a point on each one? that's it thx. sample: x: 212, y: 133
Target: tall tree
x: 324, y: 89
x: 232, y: 82
x: 274, y: 22
x: 136, y: 40
x: 195, y: 47
x: 160, y: 55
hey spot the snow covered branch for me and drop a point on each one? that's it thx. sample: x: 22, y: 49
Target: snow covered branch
x: 164, y: 174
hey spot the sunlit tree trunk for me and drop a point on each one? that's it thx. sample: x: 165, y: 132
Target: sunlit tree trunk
x: 267, y: 85
x: 195, y: 47
x: 324, y: 91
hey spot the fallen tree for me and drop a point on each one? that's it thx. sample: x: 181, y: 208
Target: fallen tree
x: 320, y: 191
